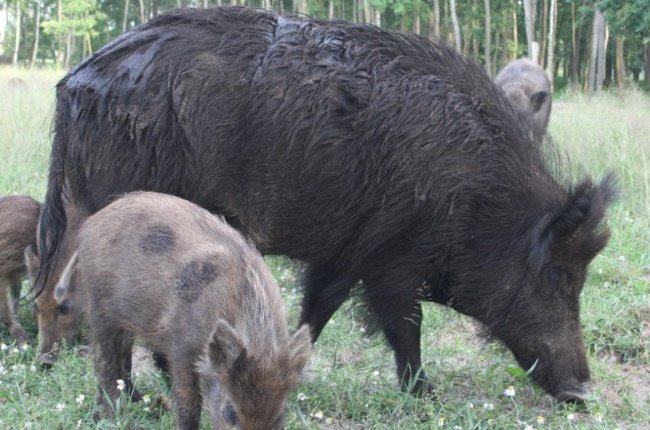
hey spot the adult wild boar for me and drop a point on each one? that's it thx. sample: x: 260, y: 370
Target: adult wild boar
x: 161, y: 268
x: 58, y: 322
x: 529, y: 90
x: 18, y: 222
x: 368, y: 154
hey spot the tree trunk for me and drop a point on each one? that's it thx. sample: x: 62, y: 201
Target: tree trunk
x: 575, y: 50
x: 515, y: 36
x: 646, y: 63
x: 37, y: 32
x: 14, y: 58
x: 3, y: 28
x: 436, y: 18
x: 330, y: 9
x: 126, y: 15
x: 416, y: 19
x: 529, y: 16
x: 552, y: 17
x: 142, y: 15
x: 454, y: 21
x: 597, y: 64
x: 543, y: 35
x: 68, y: 50
x: 620, y: 62
x: 488, y: 41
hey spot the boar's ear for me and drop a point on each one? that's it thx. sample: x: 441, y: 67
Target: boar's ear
x: 582, y: 218
x: 225, y: 346
x: 300, y: 347
x: 64, y: 285
x: 538, y: 99
x: 31, y: 260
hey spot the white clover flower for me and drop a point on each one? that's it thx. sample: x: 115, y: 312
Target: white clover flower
x: 540, y: 420
x: 24, y: 346
x: 470, y: 405
x: 60, y: 407
x: 146, y: 399
x: 488, y: 406
x: 80, y: 398
x: 32, y: 368
x: 441, y: 421
x: 3, y: 346
x: 375, y: 373
x: 571, y: 417
x: 510, y: 391
x: 302, y: 397
x: 121, y: 385
x: 598, y: 417
x: 318, y: 415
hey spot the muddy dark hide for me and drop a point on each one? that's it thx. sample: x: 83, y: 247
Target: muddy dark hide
x: 529, y: 90
x: 58, y: 323
x: 368, y: 154
x: 18, y: 221
x: 163, y: 269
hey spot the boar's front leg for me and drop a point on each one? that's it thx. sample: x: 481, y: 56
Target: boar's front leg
x: 7, y: 314
x: 112, y: 360
x: 399, y: 313
x: 187, y: 395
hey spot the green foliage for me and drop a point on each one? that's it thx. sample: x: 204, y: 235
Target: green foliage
x: 79, y: 17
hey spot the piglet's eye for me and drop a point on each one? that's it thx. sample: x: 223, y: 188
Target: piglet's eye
x: 230, y: 415
x: 64, y: 308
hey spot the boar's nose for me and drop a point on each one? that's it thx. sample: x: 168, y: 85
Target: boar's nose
x: 575, y: 394
x: 48, y: 359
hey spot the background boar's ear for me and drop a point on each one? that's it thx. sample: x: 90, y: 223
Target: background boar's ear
x: 31, y: 259
x: 226, y: 346
x: 65, y: 285
x: 582, y: 216
x: 300, y: 348
x: 538, y: 99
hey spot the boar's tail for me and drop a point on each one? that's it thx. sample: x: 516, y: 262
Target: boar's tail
x: 52, y: 222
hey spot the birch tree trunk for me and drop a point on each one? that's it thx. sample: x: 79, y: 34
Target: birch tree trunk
x: 543, y: 35
x: 620, y: 62
x: 14, y: 58
x: 126, y: 15
x: 436, y: 18
x: 552, y: 18
x: 597, y: 64
x: 142, y: 11
x: 330, y: 9
x: 529, y: 16
x: 488, y: 40
x: 3, y: 28
x: 37, y: 32
x: 454, y: 21
x: 416, y: 19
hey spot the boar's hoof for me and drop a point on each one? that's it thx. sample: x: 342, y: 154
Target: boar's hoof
x: 48, y: 359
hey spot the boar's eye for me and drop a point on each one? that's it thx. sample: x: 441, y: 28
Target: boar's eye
x: 64, y: 308
x: 230, y: 415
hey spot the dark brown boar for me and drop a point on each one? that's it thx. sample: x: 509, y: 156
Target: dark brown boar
x: 368, y: 154
x: 161, y: 268
x: 18, y: 223
x: 58, y: 322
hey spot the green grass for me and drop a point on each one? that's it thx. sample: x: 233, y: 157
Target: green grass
x: 351, y: 383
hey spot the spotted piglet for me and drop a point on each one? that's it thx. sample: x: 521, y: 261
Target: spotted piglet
x: 161, y: 268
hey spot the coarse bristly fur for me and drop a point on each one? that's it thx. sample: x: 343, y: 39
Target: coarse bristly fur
x: 368, y: 154
x: 158, y: 267
x: 18, y: 221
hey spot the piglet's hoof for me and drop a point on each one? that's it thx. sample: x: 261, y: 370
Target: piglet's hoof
x: 48, y: 359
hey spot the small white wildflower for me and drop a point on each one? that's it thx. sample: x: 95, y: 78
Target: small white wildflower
x: 621, y: 258
x: 121, y: 385
x: 510, y: 391
x: 15, y: 350
x: 79, y: 423
x: 458, y: 428
x: 318, y: 415
x: 375, y: 373
x: 470, y: 405
x: 362, y: 330
x: 24, y: 346
x: 600, y: 271
x: 80, y: 398
x: 32, y: 368
x: 145, y: 408
x: 571, y: 417
x: 488, y: 406
x: 540, y: 420
x: 529, y: 427
x: 29, y: 424
x: 60, y: 407
x: 302, y: 397
x: 146, y: 399
x: 441, y: 421
x: 3, y: 346
x: 598, y: 417
x: 2, y: 370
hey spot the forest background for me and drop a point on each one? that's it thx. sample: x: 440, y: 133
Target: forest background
x: 582, y: 44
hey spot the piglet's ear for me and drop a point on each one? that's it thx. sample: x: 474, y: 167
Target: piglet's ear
x: 225, y: 347
x: 300, y: 347
x: 580, y: 223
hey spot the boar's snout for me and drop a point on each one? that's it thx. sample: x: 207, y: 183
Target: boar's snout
x: 574, y: 393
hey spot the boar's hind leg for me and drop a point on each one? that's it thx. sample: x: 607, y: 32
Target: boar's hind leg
x: 323, y: 295
x: 400, y: 318
x: 112, y: 359
x: 186, y: 392
x: 7, y: 315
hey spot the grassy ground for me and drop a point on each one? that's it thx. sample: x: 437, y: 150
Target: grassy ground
x: 351, y: 382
